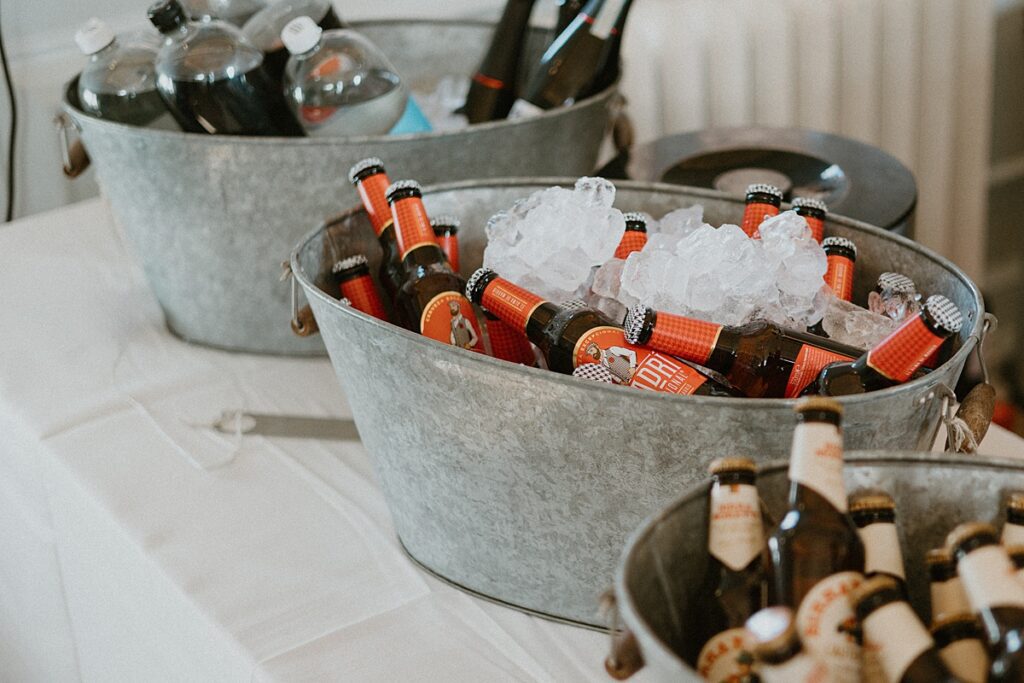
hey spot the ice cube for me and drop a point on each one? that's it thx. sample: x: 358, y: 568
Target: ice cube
x: 848, y: 323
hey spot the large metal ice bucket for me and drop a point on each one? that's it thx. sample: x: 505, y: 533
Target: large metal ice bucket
x: 523, y: 484
x: 211, y: 216
x: 666, y: 557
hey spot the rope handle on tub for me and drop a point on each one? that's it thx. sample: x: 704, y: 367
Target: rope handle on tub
x: 74, y: 158
x: 624, y: 658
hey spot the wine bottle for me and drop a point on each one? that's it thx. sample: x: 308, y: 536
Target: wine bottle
x: 493, y: 88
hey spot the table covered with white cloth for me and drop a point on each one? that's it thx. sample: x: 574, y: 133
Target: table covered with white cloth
x: 138, y: 542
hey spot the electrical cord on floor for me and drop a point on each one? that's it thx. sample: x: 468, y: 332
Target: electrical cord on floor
x: 9, y: 213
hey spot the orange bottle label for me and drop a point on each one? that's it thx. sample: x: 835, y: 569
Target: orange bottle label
x: 513, y: 304
x: 905, y: 350
x: 450, y: 246
x: 817, y: 227
x: 753, y: 214
x: 508, y: 343
x: 449, y: 319
x: 635, y: 366
x: 372, y: 191
x: 362, y: 293
x: 808, y: 364
x: 839, y: 276
x: 687, y: 338
x: 632, y: 240
x: 412, y: 225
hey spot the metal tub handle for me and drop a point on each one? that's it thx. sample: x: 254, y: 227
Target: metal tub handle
x: 303, y: 322
x: 74, y: 158
x: 968, y: 424
x: 624, y: 658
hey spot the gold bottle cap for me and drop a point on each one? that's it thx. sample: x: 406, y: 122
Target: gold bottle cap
x: 871, y: 501
x: 937, y: 556
x: 770, y: 631
x: 819, y: 403
x: 963, y: 619
x: 1016, y: 501
x: 966, y: 532
x: 872, y: 586
x: 732, y: 464
x: 1015, y: 551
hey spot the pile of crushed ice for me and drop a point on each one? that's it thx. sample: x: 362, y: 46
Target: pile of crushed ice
x: 559, y: 243
x: 441, y: 104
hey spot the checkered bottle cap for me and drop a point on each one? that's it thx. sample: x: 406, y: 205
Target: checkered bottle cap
x: 764, y: 188
x: 634, y: 323
x: 363, y: 166
x: 840, y: 243
x: 809, y: 203
x: 944, y: 313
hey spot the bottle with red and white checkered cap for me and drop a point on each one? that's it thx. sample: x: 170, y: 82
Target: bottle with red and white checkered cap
x: 814, y: 211
x: 371, y: 181
x: 760, y: 358
x: 635, y: 236
x: 352, y: 276
x: 763, y: 201
x: 896, y: 358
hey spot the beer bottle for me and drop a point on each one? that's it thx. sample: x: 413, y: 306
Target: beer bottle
x: 371, y: 181
x: 945, y: 588
x: 895, y: 296
x: 446, y: 231
x: 875, y: 517
x: 568, y: 338
x: 569, y: 65
x: 430, y: 301
x: 734, y: 583
x: 814, y: 212
x: 897, y: 357
x: 594, y: 372
x: 507, y: 343
x: 1016, y: 553
x: 567, y: 11
x: 763, y: 201
x: 607, y: 71
x: 816, y: 553
x: 635, y: 236
x: 890, y: 628
x: 842, y: 255
x: 777, y: 650
x: 760, y: 358
x: 492, y: 91
x: 995, y: 594
x: 1013, y: 527
x: 354, y: 283
x: 958, y: 639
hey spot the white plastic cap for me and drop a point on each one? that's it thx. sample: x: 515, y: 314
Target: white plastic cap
x: 301, y: 34
x: 93, y: 36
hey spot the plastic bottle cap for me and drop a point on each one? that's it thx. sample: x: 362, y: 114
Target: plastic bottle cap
x: 300, y: 35
x: 166, y: 15
x: 93, y: 36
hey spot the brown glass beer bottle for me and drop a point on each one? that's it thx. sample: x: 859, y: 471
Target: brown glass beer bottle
x: 996, y: 596
x: 507, y: 343
x: 760, y: 358
x: 446, y: 230
x: 891, y: 629
x: 568, y: 338
x: 945, y: 588
x: 777, y: 650
x: 734, y: 583
x: 763, y: 201
x: 352, y: 276
x: 958, y: 639
x: 635, y: 236
x: 875, y: 517
x: 814, y: 212
x: 372, y: 183
x: 430, y: 301
x: 842, y: 255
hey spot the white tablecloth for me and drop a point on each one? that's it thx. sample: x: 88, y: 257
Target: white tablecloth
x: 137, y: 543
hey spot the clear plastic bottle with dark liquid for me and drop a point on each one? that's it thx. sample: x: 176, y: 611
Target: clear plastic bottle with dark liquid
x: 264, y: 29
x: 213, y: 80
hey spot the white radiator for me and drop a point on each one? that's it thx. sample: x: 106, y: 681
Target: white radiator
x: 910, y: 76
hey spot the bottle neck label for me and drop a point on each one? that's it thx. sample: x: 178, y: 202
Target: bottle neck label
x: 816, y: 461
x: 719, y: 659
x: 508, y: 343
x: 967, y: 660
x: 895, y: 635
x: 827, y: 626
x: 412, y: 225
x: 800, y: 669
x: 839, y: 276
x: 450, y: 246
x: 735, y: 530
x: 808, y: 364
x: 635, y: 366
x: 687, y: 338
x: 990, y: 579
x: 632, y: 240
x: 372, y: 192
x: 882, y: 549
x: 362, y: 294
x: 902, y: 352
x: 817, y: 227
x: 754, y: 214
x: 1013, y: 534
x: 449, y: 319
x: 604, y: 22
x: 948, y: 598
x: 511, y: 303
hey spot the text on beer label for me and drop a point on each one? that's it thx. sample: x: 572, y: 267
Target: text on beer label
x: 827, y: 625
x: 839, y: 276
x: 412, y: 226
x: 511, y: 303
x: 635, y: 366
x: 373, y: 193
x: 735, y: 529
x: 808, y: 364
x: 817, y: 461
x: 725, y: 658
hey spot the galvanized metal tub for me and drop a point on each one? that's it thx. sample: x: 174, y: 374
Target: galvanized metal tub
x: 211, y: 216
x: 522, y: 484
x: 666, y: 557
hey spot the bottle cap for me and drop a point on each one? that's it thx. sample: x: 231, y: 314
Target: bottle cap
x: 349, y: 263
x: 764, y: 188
x: 635, y: 322
x: 407, y: 188
x: 595, y: 372
x: 809, y: 203
x: 937, y: 556
x: 731, y: 464
x: 771, y: 631
x: 819, y: 404
x: 574, y: 304
x: 967, y: 532
x: 865, y: 502
x: 897, y: 283
x: 166, y: 15
x: 944, y: 313
x: 1016, y: 501
x: 93, y: 36
x: 839, y: 243
x: 635, y: 221
x: 360, y: 169
x: 300, y: 35
x: 445, y: 222
x: 869, y: 588
x: 1016, y: 553
x: 476, y: 283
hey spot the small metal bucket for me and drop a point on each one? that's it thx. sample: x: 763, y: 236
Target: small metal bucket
x: 666, y: 557
x: 522, y: 484
x: 210, y: 216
